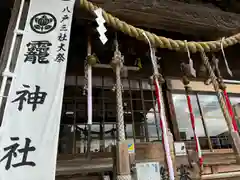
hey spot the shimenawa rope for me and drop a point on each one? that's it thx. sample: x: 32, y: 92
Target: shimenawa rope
x: 159, y: 41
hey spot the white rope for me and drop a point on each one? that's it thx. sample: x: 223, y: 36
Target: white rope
x: 118, y: 63
x: 118, y: 60
x: 224, y: 58
x: 190, y: 61
x: 124, y: 177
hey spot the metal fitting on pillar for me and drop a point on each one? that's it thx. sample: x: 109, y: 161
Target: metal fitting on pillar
x: 222, y: 85
x: 186, y: 83
x: 92, y: 59
x: 117, y: 60
x: 158, y: 76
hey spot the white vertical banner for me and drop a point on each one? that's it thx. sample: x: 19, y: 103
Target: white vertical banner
x: 31, y: 122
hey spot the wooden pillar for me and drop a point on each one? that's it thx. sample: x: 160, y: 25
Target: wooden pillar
x: 138, y: 126
x: 170, y: 111
x: 123, y: 166
x: 235, y: 136
x: 236, y: 109
x: 137, y: 120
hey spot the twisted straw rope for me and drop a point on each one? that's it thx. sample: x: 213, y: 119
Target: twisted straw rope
x: 124, y: 177
x: 217, y: 90
x: 159, y: 41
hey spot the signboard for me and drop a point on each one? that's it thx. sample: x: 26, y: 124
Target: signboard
x: 148, y: 171
x: 131, y: 148
x: 30, y: 127
x: 180, y: 149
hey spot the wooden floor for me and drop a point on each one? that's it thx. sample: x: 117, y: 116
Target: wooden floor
x: 79, y: 166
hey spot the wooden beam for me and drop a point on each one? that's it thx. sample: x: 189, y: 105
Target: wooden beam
x: 108, y: 66
x: 227, y: 175
x: 172, y: 16
x: 78, y: 166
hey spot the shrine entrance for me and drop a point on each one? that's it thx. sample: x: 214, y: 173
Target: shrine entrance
x: 140, y: 113
x: 154, y: 101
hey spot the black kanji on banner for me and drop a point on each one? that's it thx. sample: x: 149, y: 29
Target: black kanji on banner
x: 38, y: 51
x: 60, y: 57
x: 62, y: 37
x: 64, y: 18
x: 66, y: 9
x: 61, y: 47
x: 13, y: 151
x: 33, y: 98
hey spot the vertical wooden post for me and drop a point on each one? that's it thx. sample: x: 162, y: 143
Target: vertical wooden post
x: 204, y: 124
x: 236, y: 109
x: 123, y: 165
x: 171, y: 111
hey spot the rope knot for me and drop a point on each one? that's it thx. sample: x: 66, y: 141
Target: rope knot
x: 222, y: 85
x: 186, y: 83
x: 185, y: 80
x: 187, y: 88
x: 117, y: 60
x: 156, y: 76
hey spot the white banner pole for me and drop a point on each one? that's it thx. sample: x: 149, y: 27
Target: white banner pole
x: 6, y: 73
